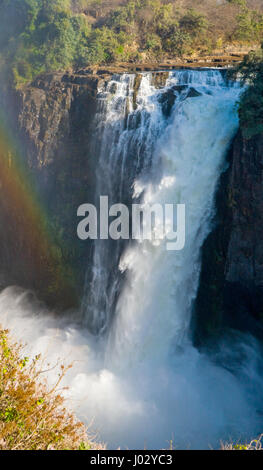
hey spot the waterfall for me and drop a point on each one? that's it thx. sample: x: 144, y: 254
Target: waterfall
x: 136, y: 375
x: 160, y: 145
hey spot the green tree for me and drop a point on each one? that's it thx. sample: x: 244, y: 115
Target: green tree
x: 249, y: 26
x: 251, y: 102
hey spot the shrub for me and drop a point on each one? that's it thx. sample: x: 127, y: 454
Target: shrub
x: 249, y: 26
x: 251, y: 102
x: 33, y: 416
x: 256, y: 444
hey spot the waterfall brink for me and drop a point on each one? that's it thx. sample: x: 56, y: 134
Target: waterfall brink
x: 136, y: 375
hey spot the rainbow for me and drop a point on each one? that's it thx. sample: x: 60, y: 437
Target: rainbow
x: 30, y: 228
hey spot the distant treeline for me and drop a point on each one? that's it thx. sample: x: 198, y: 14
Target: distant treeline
x: 45, y: 35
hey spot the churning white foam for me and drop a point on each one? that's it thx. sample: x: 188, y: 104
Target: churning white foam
x: 189, y: 400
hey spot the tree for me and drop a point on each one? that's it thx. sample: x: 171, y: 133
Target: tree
x: 251, y: 102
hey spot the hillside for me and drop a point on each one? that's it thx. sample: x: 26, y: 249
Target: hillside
x: 43, y: 36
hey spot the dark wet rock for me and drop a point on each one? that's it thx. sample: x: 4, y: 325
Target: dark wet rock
x: 159, y: 79
x: 179, y: 88
x: 231, y: 284
x: 167, y: 100
x: 136, y: 86
x: 190, y: 92
x: 193, y: 93
x: 113, y: 88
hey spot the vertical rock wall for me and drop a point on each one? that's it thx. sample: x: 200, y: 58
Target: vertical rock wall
x: 231, y: 285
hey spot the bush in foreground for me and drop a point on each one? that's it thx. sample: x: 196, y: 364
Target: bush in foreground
x: 33, y: 416
x: 256, y: 444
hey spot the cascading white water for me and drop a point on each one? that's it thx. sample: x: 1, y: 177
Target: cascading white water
x: 170, y: 149
x: 143, y: 383
x: 155, y: 306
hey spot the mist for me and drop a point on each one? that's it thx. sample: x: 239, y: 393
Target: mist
x: 192, y: 401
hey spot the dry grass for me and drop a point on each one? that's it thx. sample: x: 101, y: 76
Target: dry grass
x: 256, y: 444
x: 33, y: 416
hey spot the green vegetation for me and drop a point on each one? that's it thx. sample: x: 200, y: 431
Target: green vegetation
x: 33, y: 416
x: 39, y: 36
x: 251, y: 102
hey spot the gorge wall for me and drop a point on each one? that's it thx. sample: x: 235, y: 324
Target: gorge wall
x: 52, y: 120
x: 231, y: 284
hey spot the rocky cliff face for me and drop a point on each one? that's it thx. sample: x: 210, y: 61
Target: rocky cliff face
x: 231, y: 286
x: 52, y: 122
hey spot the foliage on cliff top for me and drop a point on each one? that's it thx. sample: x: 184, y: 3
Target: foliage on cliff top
x: 251, y: 102
x: 45, y: 35
x: 33, y: 416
